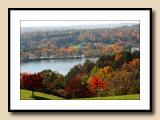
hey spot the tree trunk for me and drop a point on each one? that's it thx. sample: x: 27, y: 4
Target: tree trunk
x: 32, y: 94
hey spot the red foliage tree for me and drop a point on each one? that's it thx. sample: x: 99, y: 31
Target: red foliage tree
x: 32, y: 81
x: 75, y: 88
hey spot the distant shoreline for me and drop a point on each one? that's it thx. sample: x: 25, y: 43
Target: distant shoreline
x: 39, y: 59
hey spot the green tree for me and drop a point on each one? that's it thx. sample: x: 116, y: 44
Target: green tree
x: 87, y: 66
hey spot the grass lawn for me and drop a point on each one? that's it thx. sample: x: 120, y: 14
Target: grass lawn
x: 27, y: 95
x: 122, y: 97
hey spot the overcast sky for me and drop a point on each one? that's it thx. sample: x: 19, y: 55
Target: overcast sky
x: 71, y: 23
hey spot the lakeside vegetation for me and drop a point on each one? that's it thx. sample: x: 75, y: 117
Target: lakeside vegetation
x: 110, y: 75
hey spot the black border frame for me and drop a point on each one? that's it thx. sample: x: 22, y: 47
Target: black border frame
x: 9, y: 59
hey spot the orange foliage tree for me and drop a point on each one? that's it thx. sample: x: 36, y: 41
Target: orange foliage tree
x: 97, y: 86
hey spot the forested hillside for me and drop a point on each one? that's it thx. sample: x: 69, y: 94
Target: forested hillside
x: 77, y: 43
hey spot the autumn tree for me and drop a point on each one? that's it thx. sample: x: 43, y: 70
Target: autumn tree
x: 97, y: 86
x: 32, y: 82
x: 105, y: 60
x: 75, y: 88
x: 73, y: 71
x: 121, y: 58
x: 94, y: 71
x: 52, y: 79
x: 87, y: 66
x: 121, y: 82
x: 134, y: 68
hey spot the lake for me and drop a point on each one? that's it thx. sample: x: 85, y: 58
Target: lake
x: 62, y: 66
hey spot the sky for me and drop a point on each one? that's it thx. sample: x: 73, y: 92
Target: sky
x: 71, y: 23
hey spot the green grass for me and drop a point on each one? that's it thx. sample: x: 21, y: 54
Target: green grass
x: 122, y: 97
x: 27, y: 95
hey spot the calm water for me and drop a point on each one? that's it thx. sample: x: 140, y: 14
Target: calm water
x: 62, y: 66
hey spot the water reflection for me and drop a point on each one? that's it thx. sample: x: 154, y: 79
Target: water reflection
x: 60, y: 65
